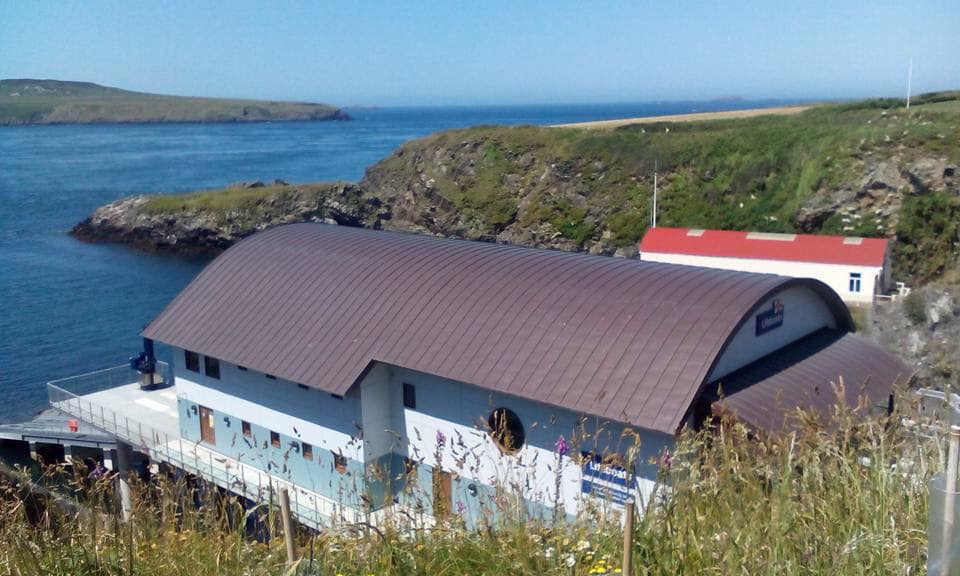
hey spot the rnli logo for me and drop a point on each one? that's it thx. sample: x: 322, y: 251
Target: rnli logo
x: 771, y: 318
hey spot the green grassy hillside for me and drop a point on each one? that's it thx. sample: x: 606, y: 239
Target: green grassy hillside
x: 57, y: 102
x: 867, y: 168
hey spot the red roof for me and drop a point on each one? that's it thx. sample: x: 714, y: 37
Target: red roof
x: 766, y: 246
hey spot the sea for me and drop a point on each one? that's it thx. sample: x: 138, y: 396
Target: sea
x: 70, y: 307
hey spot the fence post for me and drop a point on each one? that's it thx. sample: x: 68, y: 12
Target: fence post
x: 287, y: 526
x: 953, y: 459
x: 627, y: 564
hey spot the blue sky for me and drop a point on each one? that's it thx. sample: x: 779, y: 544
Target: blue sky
x: 490, y: 52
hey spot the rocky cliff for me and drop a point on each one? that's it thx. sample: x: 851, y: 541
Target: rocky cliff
x: 211, y: 221
x: 863, y: 169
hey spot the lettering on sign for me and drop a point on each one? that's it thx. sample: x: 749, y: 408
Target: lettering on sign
x: 771, y: 318
x: 604, y: 480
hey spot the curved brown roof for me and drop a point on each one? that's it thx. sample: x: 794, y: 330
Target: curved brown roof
x: 317, y: 304
x: 766, y: 393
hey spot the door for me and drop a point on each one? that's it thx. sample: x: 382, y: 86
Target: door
x: 208, y: 431
x: 442, y: 493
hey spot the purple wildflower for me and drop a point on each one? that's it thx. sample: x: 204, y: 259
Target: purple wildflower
x: 562, y: 446
x: 441, y: 439
x: 461, y: 506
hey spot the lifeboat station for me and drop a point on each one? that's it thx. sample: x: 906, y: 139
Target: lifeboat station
x: 372, y: 372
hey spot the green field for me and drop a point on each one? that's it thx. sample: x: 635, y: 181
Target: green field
x: 57, y: 102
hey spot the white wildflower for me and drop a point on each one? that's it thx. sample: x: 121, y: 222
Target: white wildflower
x: 570, y: 560
x: 583, y: 545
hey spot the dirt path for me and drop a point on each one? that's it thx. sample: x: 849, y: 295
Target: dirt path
x: 693, y: 117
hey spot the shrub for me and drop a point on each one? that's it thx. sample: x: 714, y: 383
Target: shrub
x: 915, y: 308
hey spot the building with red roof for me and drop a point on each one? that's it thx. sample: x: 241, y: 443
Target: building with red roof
x: 856, y: 268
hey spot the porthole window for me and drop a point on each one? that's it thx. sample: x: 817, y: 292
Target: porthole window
x: 506, y: 430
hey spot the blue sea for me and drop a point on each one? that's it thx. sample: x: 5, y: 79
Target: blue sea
x: 70, y: 307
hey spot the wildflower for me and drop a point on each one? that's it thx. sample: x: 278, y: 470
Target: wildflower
x: 548, y: 553
x: 441, y: 439
x: 461, y: 507
x: 665, y: 461
x: 561, y: 445
x: 583, y: 545
x: 570, y: 560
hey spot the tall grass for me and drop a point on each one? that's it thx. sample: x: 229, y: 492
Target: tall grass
x: 850, y: 499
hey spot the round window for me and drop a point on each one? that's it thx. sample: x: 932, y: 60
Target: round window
x: 506, y: 429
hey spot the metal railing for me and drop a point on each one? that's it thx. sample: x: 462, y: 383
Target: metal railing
x: 311, y: 509
x: 100, y: 380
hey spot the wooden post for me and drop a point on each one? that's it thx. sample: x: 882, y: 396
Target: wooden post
x: 627, y: 564
x: 287, y: 526
x: 950, y: 498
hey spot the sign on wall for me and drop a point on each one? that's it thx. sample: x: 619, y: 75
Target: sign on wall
x: 770, y: 318
x: 604, y: 480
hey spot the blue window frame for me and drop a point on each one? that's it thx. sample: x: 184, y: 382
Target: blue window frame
x: 854, y: 281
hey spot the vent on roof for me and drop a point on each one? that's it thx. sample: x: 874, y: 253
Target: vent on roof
x: 853, y: 241
x: 695, y: 232
x: 771, y: 236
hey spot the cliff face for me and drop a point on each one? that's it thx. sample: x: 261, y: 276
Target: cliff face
x: 856, y: 170
x: 209, y: 222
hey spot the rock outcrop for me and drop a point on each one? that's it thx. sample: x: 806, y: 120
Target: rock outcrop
x: 197, y: 223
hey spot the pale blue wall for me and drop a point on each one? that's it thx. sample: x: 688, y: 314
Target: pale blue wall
x: 287, y: 462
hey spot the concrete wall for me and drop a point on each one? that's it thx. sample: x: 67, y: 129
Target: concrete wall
x: 399, y: 448
x: 331, y: 425
x: 834, y: 275
x: 448, y: 430
x: 804, y: 312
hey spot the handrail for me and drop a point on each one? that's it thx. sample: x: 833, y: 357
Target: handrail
x: 95, y: 372
x: 235, y: 476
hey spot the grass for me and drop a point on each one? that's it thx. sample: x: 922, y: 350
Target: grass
x: 851, y: 499
x: 53, y: 102
x: 751, y: 173
x: 245, y: 206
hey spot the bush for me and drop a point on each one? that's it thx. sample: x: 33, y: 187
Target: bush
x: 915, y: 308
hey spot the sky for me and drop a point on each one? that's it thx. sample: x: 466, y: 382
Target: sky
x: 384, y: 53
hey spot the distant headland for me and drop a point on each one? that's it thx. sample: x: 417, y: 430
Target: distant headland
x: 27, y: 101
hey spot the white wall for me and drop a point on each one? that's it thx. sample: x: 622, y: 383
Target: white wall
x: 459, y: 412
x: 310, y: 415
x: 804, y: 312
x: 836, y: 276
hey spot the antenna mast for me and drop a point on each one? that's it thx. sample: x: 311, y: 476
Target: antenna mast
x: 654, y: 194
x: 909, y: 81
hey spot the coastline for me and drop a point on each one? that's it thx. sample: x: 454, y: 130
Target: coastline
x: 691, y: 117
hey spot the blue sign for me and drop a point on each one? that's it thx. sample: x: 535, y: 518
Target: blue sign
x: 771, y: 318
x: 604, y: 480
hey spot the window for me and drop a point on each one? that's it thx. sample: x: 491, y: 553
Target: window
x: 854, y: 281
x: 270, y: 376
x: 303, y: 386
x: 242, y: 368
x: 246, y: 429
x: 274, y: 439
x: 339, y: 462
x: 307, y: 451
x: 191, y: 360
x: 506, y: 430
x: 211, y: 367
x: 409, y: 396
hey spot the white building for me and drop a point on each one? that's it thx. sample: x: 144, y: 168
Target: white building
x: 380, y: 369
x: 856, y: 268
